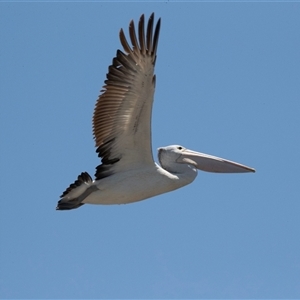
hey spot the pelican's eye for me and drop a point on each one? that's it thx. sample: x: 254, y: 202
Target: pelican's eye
x: 179, y: 148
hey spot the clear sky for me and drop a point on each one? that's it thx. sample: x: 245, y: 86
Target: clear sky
x: 228, y: 84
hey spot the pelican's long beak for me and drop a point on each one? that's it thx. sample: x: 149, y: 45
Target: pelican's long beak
x: 211, y: 163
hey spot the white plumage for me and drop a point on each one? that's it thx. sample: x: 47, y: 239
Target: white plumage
x: 122, y: 132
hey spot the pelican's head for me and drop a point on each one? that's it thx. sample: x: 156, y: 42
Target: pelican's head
x: 168, y: 158
x: 171, y: 156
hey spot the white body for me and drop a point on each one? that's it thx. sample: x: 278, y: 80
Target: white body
x: 138, y: 184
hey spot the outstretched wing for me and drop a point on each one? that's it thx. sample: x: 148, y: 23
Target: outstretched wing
x: 122, y: 116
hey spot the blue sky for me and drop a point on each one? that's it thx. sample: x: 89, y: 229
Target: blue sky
x: 228, y: 79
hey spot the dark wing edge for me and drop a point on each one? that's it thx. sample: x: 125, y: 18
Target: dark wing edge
x: 70, y: 199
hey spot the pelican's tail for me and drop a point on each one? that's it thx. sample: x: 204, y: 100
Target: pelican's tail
x: 73, y: 196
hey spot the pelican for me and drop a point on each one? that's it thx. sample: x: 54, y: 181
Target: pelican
x: 122, y: 133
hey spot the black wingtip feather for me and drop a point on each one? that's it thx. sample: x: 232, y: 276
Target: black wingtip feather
x: 82, y: 178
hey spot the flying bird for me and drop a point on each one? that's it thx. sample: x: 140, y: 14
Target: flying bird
x: 122, y: 133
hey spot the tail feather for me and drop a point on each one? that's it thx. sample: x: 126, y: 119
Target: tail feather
x: 71, y: 197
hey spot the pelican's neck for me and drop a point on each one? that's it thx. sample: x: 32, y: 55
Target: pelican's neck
x: 184, y: 172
